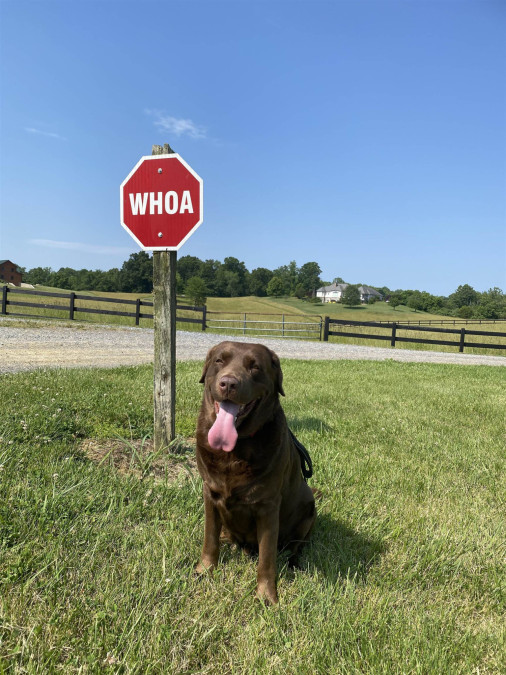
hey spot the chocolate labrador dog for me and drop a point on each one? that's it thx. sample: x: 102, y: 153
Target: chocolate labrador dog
x: 254, y: 492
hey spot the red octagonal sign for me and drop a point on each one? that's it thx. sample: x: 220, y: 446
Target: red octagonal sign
x: 161, y: 202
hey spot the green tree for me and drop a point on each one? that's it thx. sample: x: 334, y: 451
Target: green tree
x: 300, y: 292
x: 415, y: 301
x: 464, y: 296
x: 289, y: 275
x: 65, y: 277
x: 136, y: 274
x: 240, y: 284
x: 309, y: 278
x: 196, y: 290
x: 189, y: 266
x: 38, y: 275
x: 107, y: 281
x: 395, y: 300
x: 351, y: 295
x: 276, y: 287
x: 208, y: 271
x: 258, y: 281
x: 492, y: 304
x: 465, y: 312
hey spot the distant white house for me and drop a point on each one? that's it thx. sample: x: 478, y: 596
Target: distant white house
x: 334, y: 293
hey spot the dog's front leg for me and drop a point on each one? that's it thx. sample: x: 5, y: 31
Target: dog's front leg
x: 267, y: 533
x: 212, y: 529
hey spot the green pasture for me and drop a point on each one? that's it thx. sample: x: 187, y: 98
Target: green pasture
x: 404, y: 572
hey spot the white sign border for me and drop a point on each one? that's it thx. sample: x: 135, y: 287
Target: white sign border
x: 173, y: 155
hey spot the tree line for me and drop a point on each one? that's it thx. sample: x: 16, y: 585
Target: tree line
x: 229, y: 278
x: 199, y: 279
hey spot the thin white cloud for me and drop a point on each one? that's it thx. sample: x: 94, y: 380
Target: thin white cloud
x: 79, y: 246
x: 177, y: 126
x: 48, y: 134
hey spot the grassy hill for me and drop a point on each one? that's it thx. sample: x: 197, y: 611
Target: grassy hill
x: 380, y: 311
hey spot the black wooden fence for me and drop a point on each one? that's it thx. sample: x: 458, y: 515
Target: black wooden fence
x: 393, y: 338
x: 76, y: 304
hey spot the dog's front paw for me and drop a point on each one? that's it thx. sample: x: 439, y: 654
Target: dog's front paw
x: 204, y: 567
x: 267, y: 593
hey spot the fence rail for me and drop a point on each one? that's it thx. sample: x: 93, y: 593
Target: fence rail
x: 287, y: 327
x: 394, y: 338
x: 437, y: 322
x: 71, y: 308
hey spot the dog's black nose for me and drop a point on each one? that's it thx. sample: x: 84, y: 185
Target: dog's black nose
x: 227, y: 385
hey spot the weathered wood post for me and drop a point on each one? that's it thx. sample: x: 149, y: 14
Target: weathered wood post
x: 164, y: 306
x: 72, y: 306
x: 4, y: 299
x: 161, y: 205
x: 394, y: 334
x: 326, y: 329
x: 462, y: 339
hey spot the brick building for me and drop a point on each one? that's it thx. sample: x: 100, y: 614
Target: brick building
x: 10, y: 273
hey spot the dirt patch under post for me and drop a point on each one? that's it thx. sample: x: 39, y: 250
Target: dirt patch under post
x: 137, y: 458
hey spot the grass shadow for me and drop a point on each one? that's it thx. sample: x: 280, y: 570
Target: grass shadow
x: 338, y: 552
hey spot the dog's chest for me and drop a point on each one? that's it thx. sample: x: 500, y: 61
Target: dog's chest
x: 233, y: 486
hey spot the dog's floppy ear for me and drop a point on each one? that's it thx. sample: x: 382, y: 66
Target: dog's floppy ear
x: 279, y: 373
x: 209, y: 358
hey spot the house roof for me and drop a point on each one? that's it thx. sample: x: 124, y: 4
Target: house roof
x: 332, y: 287
x: 367, y: 290
x: 364, y: 290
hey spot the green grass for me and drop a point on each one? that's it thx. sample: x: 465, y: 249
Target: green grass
x: 404, y: 572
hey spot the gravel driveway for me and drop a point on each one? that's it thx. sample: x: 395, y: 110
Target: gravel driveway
x: 50, y: 346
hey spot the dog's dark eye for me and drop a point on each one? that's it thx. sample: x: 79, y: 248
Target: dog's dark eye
x: 254, y: 368
x: 219, y: 361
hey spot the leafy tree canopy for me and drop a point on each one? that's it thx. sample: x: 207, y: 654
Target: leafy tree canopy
x: 351, y: 295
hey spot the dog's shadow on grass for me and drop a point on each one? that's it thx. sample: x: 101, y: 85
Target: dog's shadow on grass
x: 338, y: 552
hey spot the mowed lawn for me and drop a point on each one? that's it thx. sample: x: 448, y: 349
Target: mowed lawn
x: 404, y: 573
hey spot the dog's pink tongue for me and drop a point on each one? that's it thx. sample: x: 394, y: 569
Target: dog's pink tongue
x: 223, y: 434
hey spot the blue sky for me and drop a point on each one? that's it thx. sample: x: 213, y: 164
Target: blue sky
x: 366, y: 135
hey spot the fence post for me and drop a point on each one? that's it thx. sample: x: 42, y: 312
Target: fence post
x: 4, y: 300
x: 283, y: 325
x: 204, y: 317
x: 137, y: 311
x: 72, y: 305
x: 462, y: 339
x: 244, y: 325
x: 394, y: 333
x: 326, y: 329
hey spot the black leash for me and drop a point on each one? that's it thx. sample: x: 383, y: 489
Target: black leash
x: 305, y: 460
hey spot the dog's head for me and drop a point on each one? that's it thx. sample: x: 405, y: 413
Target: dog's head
x: 242, y: 384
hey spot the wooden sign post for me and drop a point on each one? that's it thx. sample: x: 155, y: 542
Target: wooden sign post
x: 161, y: 203
x: 164, y: 306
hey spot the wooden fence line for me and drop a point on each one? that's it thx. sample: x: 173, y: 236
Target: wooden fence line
x: 435, y: 322
x: 72, y: 308
x: 394, y: 338
x: 139, y: 306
